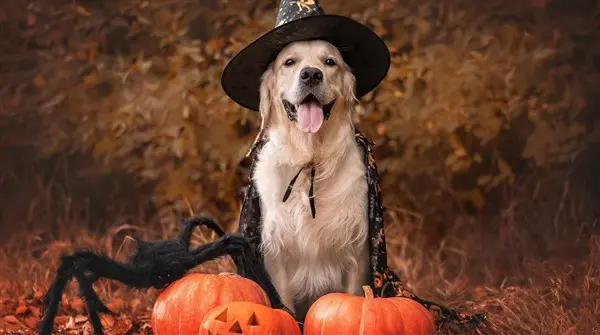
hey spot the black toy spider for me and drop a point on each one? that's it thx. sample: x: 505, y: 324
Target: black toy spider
x: 154, y: 264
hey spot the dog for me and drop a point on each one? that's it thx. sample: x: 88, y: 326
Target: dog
x: 307, y: 107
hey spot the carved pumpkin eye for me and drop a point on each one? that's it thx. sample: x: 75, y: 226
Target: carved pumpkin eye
x: 223, y: 316
x: 253, y: 320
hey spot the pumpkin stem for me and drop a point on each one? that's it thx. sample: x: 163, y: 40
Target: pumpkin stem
x: 368, y: 291
x: 228, y: 274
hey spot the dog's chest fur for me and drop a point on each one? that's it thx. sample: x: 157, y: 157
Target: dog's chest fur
x: 310, y: 257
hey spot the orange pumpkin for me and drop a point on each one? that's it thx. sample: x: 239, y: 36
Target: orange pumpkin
x: 241, y: 317
x: 341, y: 313
x: 180, y: 308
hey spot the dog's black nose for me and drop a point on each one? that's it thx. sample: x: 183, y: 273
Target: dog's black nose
x: 311, y: 76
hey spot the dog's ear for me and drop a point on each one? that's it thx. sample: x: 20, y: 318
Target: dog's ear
x: 265, y: 106
x: 266, y: 97
x: 349, y: 86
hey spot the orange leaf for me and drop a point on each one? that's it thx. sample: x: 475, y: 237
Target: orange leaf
x: 108, y: 321
x: 31, y: 321
x: 21, y: 309
x: 77, y: 303
x: 35, y: 311
x: 11, y: 319
x: 38, y: 294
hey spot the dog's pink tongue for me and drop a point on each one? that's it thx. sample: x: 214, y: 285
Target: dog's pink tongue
x: 310, y: 116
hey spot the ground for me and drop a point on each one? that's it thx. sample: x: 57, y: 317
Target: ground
x: 534, y: 268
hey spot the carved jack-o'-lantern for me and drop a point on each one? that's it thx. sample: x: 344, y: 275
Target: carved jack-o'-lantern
x: 181, y: 306
x: 243, y: 317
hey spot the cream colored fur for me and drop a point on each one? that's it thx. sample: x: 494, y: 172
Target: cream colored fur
x: 308, y: 257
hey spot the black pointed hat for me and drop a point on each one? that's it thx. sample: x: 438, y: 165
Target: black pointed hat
x: 298, y: 20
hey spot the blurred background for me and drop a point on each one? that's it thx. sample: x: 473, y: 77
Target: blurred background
x: 113, y: 125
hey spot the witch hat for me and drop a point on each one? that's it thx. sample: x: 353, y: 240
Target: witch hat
x: 299, y: 20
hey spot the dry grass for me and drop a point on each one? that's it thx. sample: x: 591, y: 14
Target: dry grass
x: 533, y: 269
x: 56, y: 221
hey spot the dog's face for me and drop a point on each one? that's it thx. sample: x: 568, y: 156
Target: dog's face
x: 306, y: 80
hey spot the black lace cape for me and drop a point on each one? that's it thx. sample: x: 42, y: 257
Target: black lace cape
x: 384, y: 282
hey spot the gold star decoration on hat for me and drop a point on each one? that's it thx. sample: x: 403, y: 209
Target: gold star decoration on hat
x: 305, y: 4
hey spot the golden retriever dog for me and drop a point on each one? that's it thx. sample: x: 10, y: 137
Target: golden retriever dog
x: 306, y: 107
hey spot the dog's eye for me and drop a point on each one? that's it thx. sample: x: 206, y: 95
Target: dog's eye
x: 329, y: 62
x: 289, y: 62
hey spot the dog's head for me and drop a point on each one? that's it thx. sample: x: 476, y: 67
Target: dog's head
x: 306, y: 84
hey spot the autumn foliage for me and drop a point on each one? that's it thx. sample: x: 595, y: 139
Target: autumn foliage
x: 469, y: 99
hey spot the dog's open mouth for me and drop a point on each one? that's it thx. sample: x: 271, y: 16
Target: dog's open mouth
x: 309, y: 114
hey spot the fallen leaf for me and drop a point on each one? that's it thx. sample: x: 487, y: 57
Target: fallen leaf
x: 108, y: 321
x: 21, y: 309
x: 35, y: 310
x: 31, y: 321
x: 11, y: 319
x: 77, y: 303
x: 62, y: 319
x: 38, y: 294
x: 114, y: 304
x: 123, y: 325
x: 80, y: 319
x: 71, y: 323
x: 9, y: 325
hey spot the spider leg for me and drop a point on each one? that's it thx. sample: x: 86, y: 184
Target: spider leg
x: 95, y: 306
x: 53, y: 296
x: 254, y: 269
x: 92, y: 277
x: 188, y: 225
x: 240, y: 249
x: 100, y: 267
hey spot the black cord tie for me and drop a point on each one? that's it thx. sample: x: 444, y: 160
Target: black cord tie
x: 311, y: 191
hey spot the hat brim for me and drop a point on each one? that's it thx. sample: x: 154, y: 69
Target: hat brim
x: 363, y: 50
